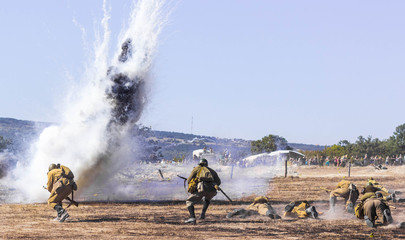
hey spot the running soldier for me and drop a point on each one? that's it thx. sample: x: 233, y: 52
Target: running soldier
x: 60, y: 185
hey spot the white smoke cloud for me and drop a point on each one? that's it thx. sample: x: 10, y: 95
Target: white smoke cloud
x: 84, y: 132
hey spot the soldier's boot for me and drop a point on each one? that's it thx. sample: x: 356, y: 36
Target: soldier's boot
x: 289, y: 207
x: 350, y: 207
x: 204, y: 210
x: 272, y: 214
x: 312, y: 211
x: 387, y: 216
x: 332, y: 202
x: 391, y: 197
x: 192, y: 215
x: 369, y: 222
x: 62, y: 213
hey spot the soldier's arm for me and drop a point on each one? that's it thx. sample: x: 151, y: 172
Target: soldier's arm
x: 49, y: 185
x: 217, y: 180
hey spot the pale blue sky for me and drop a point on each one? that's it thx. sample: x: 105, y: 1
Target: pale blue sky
x: 313, y: 72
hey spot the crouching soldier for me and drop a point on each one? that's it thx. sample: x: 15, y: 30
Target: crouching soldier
x: 203, y: 182
x: 374, y: 210
x: 346, y: 190
x: 260, y: 205
x: 300, y: 209
x: 60, y: 185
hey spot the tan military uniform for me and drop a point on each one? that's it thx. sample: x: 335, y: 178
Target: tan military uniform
x: 343, y: 190
x: 60, y: 185
x: 262, y: 206
x: 298, y: 210
x: 373, y: 209
x: 204, y: 189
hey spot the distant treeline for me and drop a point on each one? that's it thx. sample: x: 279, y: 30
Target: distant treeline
x: 365, y: 147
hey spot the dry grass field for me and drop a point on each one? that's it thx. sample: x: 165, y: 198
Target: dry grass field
x: 164, y: 220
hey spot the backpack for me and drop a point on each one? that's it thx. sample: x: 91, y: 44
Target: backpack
x: 205, y: 175
x: 192, y: 185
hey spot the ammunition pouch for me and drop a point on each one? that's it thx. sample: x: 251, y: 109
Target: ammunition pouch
x: 192, y: 185
x: 205, y: 187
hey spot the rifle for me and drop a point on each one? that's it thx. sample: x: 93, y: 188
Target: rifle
x: 72, y: 201
x: 185, y: 179
x: 224, y: 194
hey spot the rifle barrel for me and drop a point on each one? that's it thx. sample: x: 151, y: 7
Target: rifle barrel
x: 181, y: 177
x: 225, y: 194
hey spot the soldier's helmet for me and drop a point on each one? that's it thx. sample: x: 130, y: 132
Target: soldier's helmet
x: 203, y: 162
x: 52, y: 166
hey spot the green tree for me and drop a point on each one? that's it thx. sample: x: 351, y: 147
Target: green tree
x: 268, y: 144
x: 398, y: 139
x: 335, y: 151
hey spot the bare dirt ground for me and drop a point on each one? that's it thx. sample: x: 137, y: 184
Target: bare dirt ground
x: 158, y: 220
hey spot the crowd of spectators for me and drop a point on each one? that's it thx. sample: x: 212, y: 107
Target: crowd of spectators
x: 394, y: 160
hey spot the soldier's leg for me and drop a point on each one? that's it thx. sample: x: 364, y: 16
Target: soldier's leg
x: 207, y: 200
x: 191, y: 200
x: 370, y: 212
x: 204, y: 209
x: 290, y: 207
x: 237, y: 212
x: 55, y: 201
x: 271, y: 213
x: 340, y: 192
x: 312, y: 211
x: 391, y: 197
x: 300, y: 210
x: 384, y: 212
x: 62, y: 214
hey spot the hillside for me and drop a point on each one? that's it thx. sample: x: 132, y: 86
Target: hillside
x: 169, y: 144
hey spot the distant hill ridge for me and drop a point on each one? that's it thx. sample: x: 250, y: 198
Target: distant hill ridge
x: 22, y: 131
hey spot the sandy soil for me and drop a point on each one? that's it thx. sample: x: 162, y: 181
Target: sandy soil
x: 158, y: 220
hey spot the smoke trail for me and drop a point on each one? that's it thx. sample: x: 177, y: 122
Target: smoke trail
x: 98, y: 132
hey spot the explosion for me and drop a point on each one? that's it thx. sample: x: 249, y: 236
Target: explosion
x: 99, y: 132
